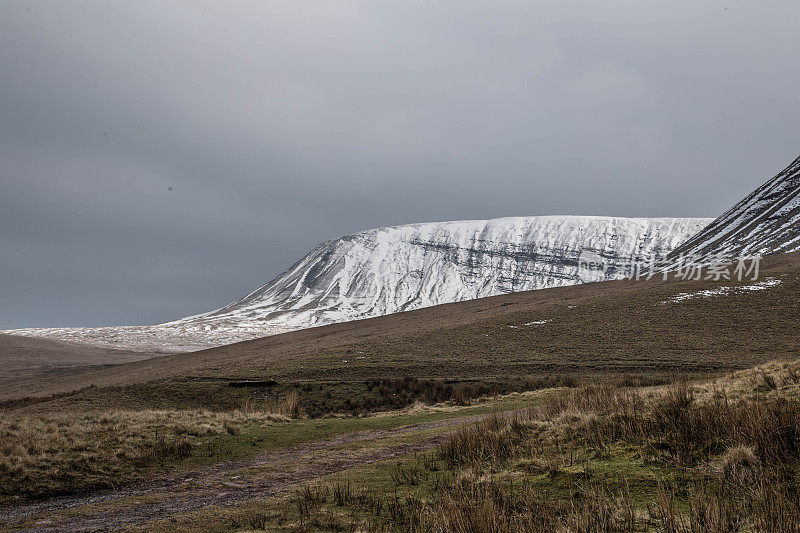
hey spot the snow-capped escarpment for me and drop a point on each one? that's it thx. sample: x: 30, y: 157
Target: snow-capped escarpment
x: 766, y: 222
x: 387, y: 270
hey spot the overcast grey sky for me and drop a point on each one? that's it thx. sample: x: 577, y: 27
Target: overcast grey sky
x: 159, y: 159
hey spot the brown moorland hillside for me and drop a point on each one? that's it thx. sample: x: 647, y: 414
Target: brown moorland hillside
x: 620, y: 328
x: 29, y: 357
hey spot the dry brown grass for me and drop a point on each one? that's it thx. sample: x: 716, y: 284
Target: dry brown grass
x: 740, y: 466
x: 771, y: 379
x: 287, y: 406
x: 47, y: 454
x: 724, y: 465
x: 494, y: 441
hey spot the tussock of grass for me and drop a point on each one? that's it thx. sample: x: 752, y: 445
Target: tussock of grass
x: 289, y: 405
x: 494, y: 441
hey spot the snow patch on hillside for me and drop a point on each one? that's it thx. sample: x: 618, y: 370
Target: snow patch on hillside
x: 721, y: 291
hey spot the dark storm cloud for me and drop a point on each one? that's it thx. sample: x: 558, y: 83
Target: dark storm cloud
x: 158, y: 159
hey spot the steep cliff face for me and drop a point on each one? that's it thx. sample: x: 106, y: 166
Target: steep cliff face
x: 387, y: 270
x: 767, y: 221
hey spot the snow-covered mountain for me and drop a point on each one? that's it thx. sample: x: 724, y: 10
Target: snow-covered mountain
x: 767, y: 221
x: 387, y: 270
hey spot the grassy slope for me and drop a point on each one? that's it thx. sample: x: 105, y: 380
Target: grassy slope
x: 581, y: 463
x: 48, y: 454
x: 599, y: 330
x: 614, y: 328
x: 572, y: 445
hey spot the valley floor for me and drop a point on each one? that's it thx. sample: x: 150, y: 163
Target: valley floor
x: 713, y: 455
x: 266, y: 464
x: 619, y: 406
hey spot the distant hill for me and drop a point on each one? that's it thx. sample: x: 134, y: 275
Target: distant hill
x: 387, y: 270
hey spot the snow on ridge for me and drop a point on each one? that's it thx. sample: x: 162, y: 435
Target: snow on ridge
x: 399, y: 268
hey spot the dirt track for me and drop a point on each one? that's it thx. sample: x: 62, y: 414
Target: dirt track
x: 222, y: 484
